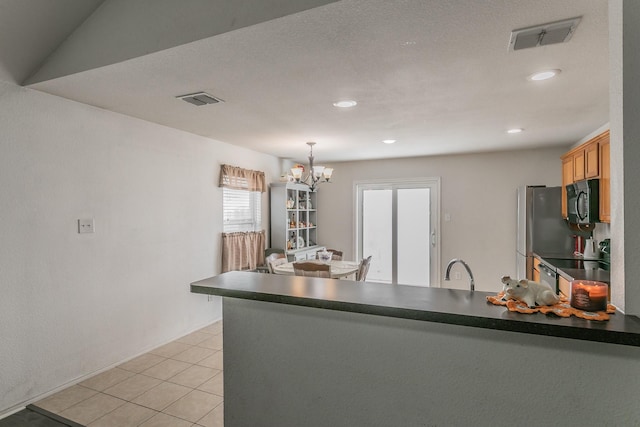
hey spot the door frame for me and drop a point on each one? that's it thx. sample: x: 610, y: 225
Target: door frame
x: 432, y: 182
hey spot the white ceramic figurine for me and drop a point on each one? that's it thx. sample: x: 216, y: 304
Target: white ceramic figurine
x: 532, y: 293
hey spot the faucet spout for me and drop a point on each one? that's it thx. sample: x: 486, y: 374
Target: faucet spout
x: 466, y: 266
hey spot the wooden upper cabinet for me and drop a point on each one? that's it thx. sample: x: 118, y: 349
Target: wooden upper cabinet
x: 592, y: 160
x: 567, y: 178
x: 586, y: 160
x: 605, y: 182
x: 589, y: 160
x: 578, y: 165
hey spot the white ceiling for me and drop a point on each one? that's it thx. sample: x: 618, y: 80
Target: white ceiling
x: 435, y: 75
x: 30, y: 30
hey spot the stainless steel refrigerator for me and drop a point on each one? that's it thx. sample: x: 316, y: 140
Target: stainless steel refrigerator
x: 541, y: 228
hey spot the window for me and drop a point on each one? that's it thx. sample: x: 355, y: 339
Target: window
x: 242, y: 210
x: 243, y: 240
x: 241, y: 198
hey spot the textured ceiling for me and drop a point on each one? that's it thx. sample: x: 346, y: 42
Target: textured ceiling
x: 30, y: 30
x: 434, y: 75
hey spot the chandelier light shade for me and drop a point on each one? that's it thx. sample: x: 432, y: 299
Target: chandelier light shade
x: 316, y: 174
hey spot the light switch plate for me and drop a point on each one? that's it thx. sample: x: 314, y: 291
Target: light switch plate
x: 85, y: 225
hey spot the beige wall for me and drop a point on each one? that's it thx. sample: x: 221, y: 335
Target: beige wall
x: 477, y: 190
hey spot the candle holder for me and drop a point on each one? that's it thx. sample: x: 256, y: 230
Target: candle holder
x: 589, y: 295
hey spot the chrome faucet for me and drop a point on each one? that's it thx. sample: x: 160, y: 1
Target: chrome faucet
x: 455, y: 260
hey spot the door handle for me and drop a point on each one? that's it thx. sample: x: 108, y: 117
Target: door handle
x: 580, y: 196
x: 433, y: 238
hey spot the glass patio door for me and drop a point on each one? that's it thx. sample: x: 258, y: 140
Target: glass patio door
x: 398, y: 228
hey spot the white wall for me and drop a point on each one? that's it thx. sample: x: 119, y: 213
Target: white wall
x: 73, y: 304
x: 624, y: 106
x: 478, y: 191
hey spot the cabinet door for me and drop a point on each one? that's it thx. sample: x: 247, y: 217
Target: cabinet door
x: 578, y: 166
x: 535, y: 276
x: 567, y: 178
x: 592, y: 163
x: 605, y: 183
x: 563, y: 286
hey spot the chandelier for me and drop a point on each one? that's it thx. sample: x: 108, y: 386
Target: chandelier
x: 316, y: 174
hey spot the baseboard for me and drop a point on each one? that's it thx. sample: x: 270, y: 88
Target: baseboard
x: 11, y: 411
x: 54, y: 416
x: 28, y: 402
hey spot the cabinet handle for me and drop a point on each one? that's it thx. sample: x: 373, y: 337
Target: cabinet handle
x: 433, y: 238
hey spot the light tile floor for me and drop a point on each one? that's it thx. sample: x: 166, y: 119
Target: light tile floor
x: 176, y: 385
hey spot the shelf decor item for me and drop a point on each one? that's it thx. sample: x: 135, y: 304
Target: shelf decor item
x: 316, y: 174
x: 325, y: 256
x: 293, y: 220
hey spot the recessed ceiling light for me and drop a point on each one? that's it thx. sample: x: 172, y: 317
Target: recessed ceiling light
x: 345, y: 104
x: 388, y: 141
x: 544, y: 75
x: 515, y: 130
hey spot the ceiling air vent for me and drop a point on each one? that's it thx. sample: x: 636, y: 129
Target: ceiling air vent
x: 200, y: 98
x: 542, y: 35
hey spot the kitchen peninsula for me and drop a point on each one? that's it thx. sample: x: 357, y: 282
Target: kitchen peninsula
x: 317, y: 352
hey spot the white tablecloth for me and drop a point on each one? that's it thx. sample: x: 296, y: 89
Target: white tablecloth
x: 338, y: 268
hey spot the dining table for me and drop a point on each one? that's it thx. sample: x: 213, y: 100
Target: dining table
x: 339, y: 269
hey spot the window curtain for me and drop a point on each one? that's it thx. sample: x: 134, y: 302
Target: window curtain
x: 242, y: 251
x: 242, y: 179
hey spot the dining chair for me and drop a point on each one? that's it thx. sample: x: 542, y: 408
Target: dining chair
x: 265, y: 268
x: 270, y: 251
x: 361, y: 274
x: 336, y: 255
x: 312, y: 269
x: 274, y: 260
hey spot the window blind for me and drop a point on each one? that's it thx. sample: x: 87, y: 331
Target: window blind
x: 242, y: 210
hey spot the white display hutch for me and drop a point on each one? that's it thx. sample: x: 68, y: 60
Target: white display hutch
x: 294, y: 220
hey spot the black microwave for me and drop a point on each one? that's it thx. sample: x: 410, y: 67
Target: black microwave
x: 583, y: 201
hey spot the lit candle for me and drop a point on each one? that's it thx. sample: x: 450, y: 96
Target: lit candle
x: 589, y: 295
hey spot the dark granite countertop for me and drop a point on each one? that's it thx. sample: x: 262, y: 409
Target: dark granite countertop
x: 563, y: 255
x: 597, y: 274
x: 440, y: 305
x: 557, y: 255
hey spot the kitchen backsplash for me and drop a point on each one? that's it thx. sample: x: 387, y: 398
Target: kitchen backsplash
x: 602, y: 231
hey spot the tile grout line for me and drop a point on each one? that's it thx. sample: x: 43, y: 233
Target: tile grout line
x: 81, y: 379
x: 187, y: 342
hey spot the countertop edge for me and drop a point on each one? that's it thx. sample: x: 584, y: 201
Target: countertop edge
x: 536, y: 324
x: 575, y: 273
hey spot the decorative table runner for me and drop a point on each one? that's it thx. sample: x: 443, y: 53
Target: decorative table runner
x: 562, y: 309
